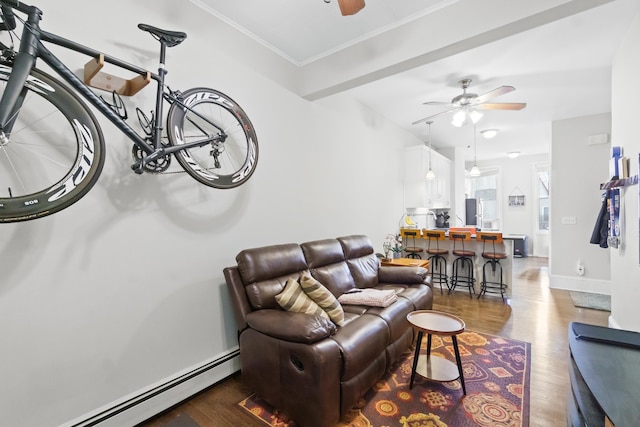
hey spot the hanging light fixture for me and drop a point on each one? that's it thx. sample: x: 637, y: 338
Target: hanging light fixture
x: 430, y: 174
x: 489, y: 133
x: 465, y: 115
x: 475, y: 171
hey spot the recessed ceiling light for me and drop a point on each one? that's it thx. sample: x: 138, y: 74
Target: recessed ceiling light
x: 513, y: 154
x: 489, y: 133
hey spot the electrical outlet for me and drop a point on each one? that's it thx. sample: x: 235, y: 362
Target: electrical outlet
x: 580, y: 269
x: 569, y: 220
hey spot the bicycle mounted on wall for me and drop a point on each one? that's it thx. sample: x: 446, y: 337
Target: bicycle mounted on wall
x: 51, y: 145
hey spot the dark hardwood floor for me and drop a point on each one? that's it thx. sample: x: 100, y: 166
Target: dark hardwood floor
x: 535, y: 313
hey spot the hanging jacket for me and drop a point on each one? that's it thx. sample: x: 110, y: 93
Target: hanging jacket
x: 601, y: 229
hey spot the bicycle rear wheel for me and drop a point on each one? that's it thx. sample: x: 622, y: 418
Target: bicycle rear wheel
x: 205, y: 113
x: 54, y: 153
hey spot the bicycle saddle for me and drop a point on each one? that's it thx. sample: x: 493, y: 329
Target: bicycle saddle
x: 168, y: 38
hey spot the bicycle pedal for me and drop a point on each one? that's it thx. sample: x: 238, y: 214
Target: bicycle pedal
x: 138, y: 168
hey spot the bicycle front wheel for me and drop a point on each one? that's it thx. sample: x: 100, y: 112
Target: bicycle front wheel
x: 53, y: 153
x: 203, y: 114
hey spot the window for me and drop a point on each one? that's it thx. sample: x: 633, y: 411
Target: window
x: 542, y: 191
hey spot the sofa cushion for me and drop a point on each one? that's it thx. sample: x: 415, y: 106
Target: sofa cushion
x: 293, y: 298
x: 322, y: 252
x: 265, y: 271
x: 361, y: 259
x: 327, y: 265
x: 361, y: 341
x: 323, y: 297
x: 406, y: 275
x: 419, y: 295
x: 395, y: 316
x: 335, y: 277
x: 267, y: 262
x: 355, y: 246
x: 365, y: 270
x: 292, y: 327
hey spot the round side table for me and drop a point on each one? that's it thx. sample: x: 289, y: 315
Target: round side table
x: 436, y: 368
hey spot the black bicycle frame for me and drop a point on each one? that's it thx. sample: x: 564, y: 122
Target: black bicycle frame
x: 31, y: 48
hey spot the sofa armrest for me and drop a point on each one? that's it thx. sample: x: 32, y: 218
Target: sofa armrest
x: 402, y: 275
x: 291, y: 326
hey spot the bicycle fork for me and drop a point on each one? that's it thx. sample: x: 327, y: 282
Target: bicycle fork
x: 15, y: 91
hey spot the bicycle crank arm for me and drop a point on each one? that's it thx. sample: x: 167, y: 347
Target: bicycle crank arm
x: 138, y: 167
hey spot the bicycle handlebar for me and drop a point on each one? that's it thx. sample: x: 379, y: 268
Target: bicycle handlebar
x: 9, y: 20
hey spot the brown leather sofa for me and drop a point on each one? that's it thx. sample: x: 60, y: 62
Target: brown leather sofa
x: 305, y: 365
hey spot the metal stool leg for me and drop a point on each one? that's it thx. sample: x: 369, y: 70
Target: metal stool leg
x: 439, y: 271
x: 486, y: 284
x: 465, y: 264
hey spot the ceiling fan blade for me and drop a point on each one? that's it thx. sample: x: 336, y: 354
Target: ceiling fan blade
x: 501, y: 106
x: 493, y: 94
x: 436, y: 103
x: 426, y: 119
x: 350, y: 7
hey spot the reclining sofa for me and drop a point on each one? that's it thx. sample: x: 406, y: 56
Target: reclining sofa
x: 305, y: 365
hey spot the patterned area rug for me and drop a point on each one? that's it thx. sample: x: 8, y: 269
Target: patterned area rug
x: 496, y: 372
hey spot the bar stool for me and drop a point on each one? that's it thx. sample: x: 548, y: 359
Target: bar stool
x: 462, y: 271
x: 492, y: 258
x: 411, y: 249
x: 437, y: 260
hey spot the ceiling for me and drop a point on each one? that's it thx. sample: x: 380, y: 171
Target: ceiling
x: 560, y: 67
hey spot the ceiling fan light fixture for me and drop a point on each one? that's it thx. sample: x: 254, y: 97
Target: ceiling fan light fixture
x: 459, y: 118
x: 489, y: 133
x: 475, y: 116
x: 465, y: 116
x: 350, y: 7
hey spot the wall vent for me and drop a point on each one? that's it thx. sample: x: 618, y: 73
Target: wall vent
x: 601, y: 138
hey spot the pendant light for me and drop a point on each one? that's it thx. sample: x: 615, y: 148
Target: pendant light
x: 475, y: 171
x: 430, y: 174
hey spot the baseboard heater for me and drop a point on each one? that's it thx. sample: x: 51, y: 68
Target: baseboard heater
x: 138, y: 408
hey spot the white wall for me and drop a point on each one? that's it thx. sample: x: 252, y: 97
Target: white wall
x: 577, y: 169
x: 625, y: 270
x: 90, y: 312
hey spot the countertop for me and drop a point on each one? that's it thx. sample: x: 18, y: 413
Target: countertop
x: 473, y: 234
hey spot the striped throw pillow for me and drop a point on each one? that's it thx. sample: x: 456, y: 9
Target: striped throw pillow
x: 323, y: 297
x: 293, y: 298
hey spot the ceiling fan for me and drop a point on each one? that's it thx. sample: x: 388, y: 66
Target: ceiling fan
x: 349, y: 7
x: 466, y: 104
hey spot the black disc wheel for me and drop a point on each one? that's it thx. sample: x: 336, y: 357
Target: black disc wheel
x: 229, y: 154
x: 51, y: 152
